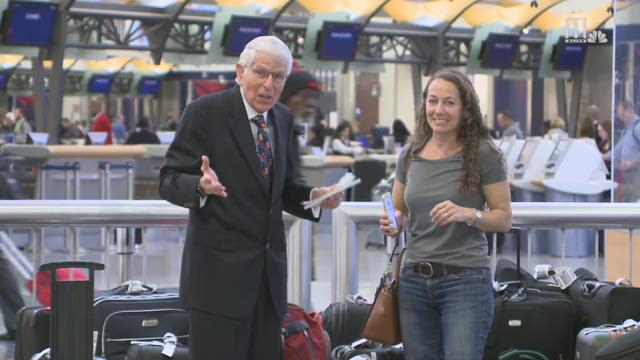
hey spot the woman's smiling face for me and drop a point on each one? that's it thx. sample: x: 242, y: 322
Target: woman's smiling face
x: 443, y: 107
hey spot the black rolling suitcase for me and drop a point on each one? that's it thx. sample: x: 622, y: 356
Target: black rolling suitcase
x: 344, y: 321
x: 531, y: 318
x: 32, y: 332
x: 367, y: 351
x: 598, y: 303
x: 121, y: 319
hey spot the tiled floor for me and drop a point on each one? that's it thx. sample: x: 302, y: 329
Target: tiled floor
x: 161, y: 266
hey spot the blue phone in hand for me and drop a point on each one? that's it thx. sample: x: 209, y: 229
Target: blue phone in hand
x: 387, y: 202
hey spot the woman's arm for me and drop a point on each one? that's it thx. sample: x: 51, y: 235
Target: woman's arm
x: 498, y: 217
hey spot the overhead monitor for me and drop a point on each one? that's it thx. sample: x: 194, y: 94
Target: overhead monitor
x: 29, y: 23
x: 568, y: 56
x: 100, y: 84
x: 338, y: 41
x: 241, y: 30
x: 149, y: 86
x: 499, y: 51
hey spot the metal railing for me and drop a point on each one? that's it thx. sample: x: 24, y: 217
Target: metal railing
x: 352, y: 215
x: 38, y: 214
x: 346, y: 219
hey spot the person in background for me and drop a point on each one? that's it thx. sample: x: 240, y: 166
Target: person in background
x: 22, y: 126
x: 101, y: 121
x: 301, y: 94
x: 232, y: 165
x: 557, y: 130
x: 587, y: 127
x: 119, y: 129
x: 509, y: 127
x: 143, y: 133
x: 6, y: 126
x: 451, y: 187
x: 400, y: 132
x: 69, y: 130
x: 342, y: 141
x: 172, y: 122
x: 627, y: 152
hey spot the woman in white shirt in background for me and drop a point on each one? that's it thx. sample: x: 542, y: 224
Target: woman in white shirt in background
x: 343, y: 139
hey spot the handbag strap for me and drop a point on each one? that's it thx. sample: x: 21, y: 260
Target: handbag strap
x: 399, y: 263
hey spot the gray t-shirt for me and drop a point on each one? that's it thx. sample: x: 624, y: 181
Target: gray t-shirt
x: 432, y: 181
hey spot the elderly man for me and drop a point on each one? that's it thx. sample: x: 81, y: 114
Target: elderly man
x: 232, y: 163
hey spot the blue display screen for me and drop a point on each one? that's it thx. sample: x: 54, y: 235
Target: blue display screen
x: 29, y: 23
x: 241, y: 30
x: 149, y: 86
x: 569, y: 56
x: 338, y: 41
x: 499, y: 51
x: 100, y: 84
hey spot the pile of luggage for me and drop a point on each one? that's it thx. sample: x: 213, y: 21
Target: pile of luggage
x: 534, y: 319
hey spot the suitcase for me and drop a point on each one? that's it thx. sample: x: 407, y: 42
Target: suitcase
x: 153, y: 351
x: 590, y: 340
x: 32, y: 332
x: 344, y: 321
x: 625, y: 348
x: 532, y: 319
x: 598, y: 303
x: 120, y: 319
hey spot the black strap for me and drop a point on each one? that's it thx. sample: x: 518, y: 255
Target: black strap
x: 295, y: 327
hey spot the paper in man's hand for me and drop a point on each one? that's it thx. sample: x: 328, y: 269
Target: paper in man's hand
x: 347, y: 181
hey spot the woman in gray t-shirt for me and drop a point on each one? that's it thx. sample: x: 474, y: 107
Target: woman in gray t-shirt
x: 450, y: 188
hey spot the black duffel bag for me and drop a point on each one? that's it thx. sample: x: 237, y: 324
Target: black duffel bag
x: 344, y: 321
x: 598, y: 302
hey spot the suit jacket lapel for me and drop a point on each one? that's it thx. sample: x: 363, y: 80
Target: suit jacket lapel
x: 241, y: 131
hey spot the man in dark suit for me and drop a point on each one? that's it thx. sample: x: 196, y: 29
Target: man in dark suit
x: 236, y: 175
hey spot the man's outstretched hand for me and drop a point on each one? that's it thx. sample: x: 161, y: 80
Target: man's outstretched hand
x: 209, y: 182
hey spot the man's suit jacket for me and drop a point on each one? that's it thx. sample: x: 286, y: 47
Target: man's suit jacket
x: 232, y: 241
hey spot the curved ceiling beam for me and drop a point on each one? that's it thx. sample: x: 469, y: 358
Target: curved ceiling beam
x: 436, y: 12
x: 515, y: 14
x: 620, y: 5
x: 549, y: 6
x: 374, y: 12
x: 450, y: 23
x: 357, y: 7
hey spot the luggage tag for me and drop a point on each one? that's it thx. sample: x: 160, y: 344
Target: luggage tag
x: 170, y: 341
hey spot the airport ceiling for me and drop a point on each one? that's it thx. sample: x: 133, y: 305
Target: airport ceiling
x: 122, y: 35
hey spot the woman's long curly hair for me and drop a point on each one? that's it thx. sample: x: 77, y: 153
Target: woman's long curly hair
x: 472, y: 128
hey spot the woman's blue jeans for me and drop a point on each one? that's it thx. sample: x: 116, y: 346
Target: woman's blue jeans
x: 445, y: 317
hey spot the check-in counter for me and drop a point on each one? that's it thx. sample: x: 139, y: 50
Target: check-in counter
x: 575, y: 172
x: 529, y: 166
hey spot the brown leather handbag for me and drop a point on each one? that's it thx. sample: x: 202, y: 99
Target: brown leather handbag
x: 383, y: 324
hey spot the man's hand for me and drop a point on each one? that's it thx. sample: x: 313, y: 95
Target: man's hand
x: 331, y: 202
x: 209, y: 181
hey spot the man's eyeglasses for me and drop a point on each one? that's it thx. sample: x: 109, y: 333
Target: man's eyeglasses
x: 263, y: 74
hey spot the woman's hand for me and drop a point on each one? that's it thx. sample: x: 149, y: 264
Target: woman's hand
x: 386, y: 227
x: 448, y: 212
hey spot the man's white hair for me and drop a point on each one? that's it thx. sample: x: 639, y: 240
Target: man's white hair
x: 269, y: 44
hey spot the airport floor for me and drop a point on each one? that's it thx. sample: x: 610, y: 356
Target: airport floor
x: 161, y: 266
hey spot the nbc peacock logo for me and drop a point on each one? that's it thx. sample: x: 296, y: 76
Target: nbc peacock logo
x: 597, y: 37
